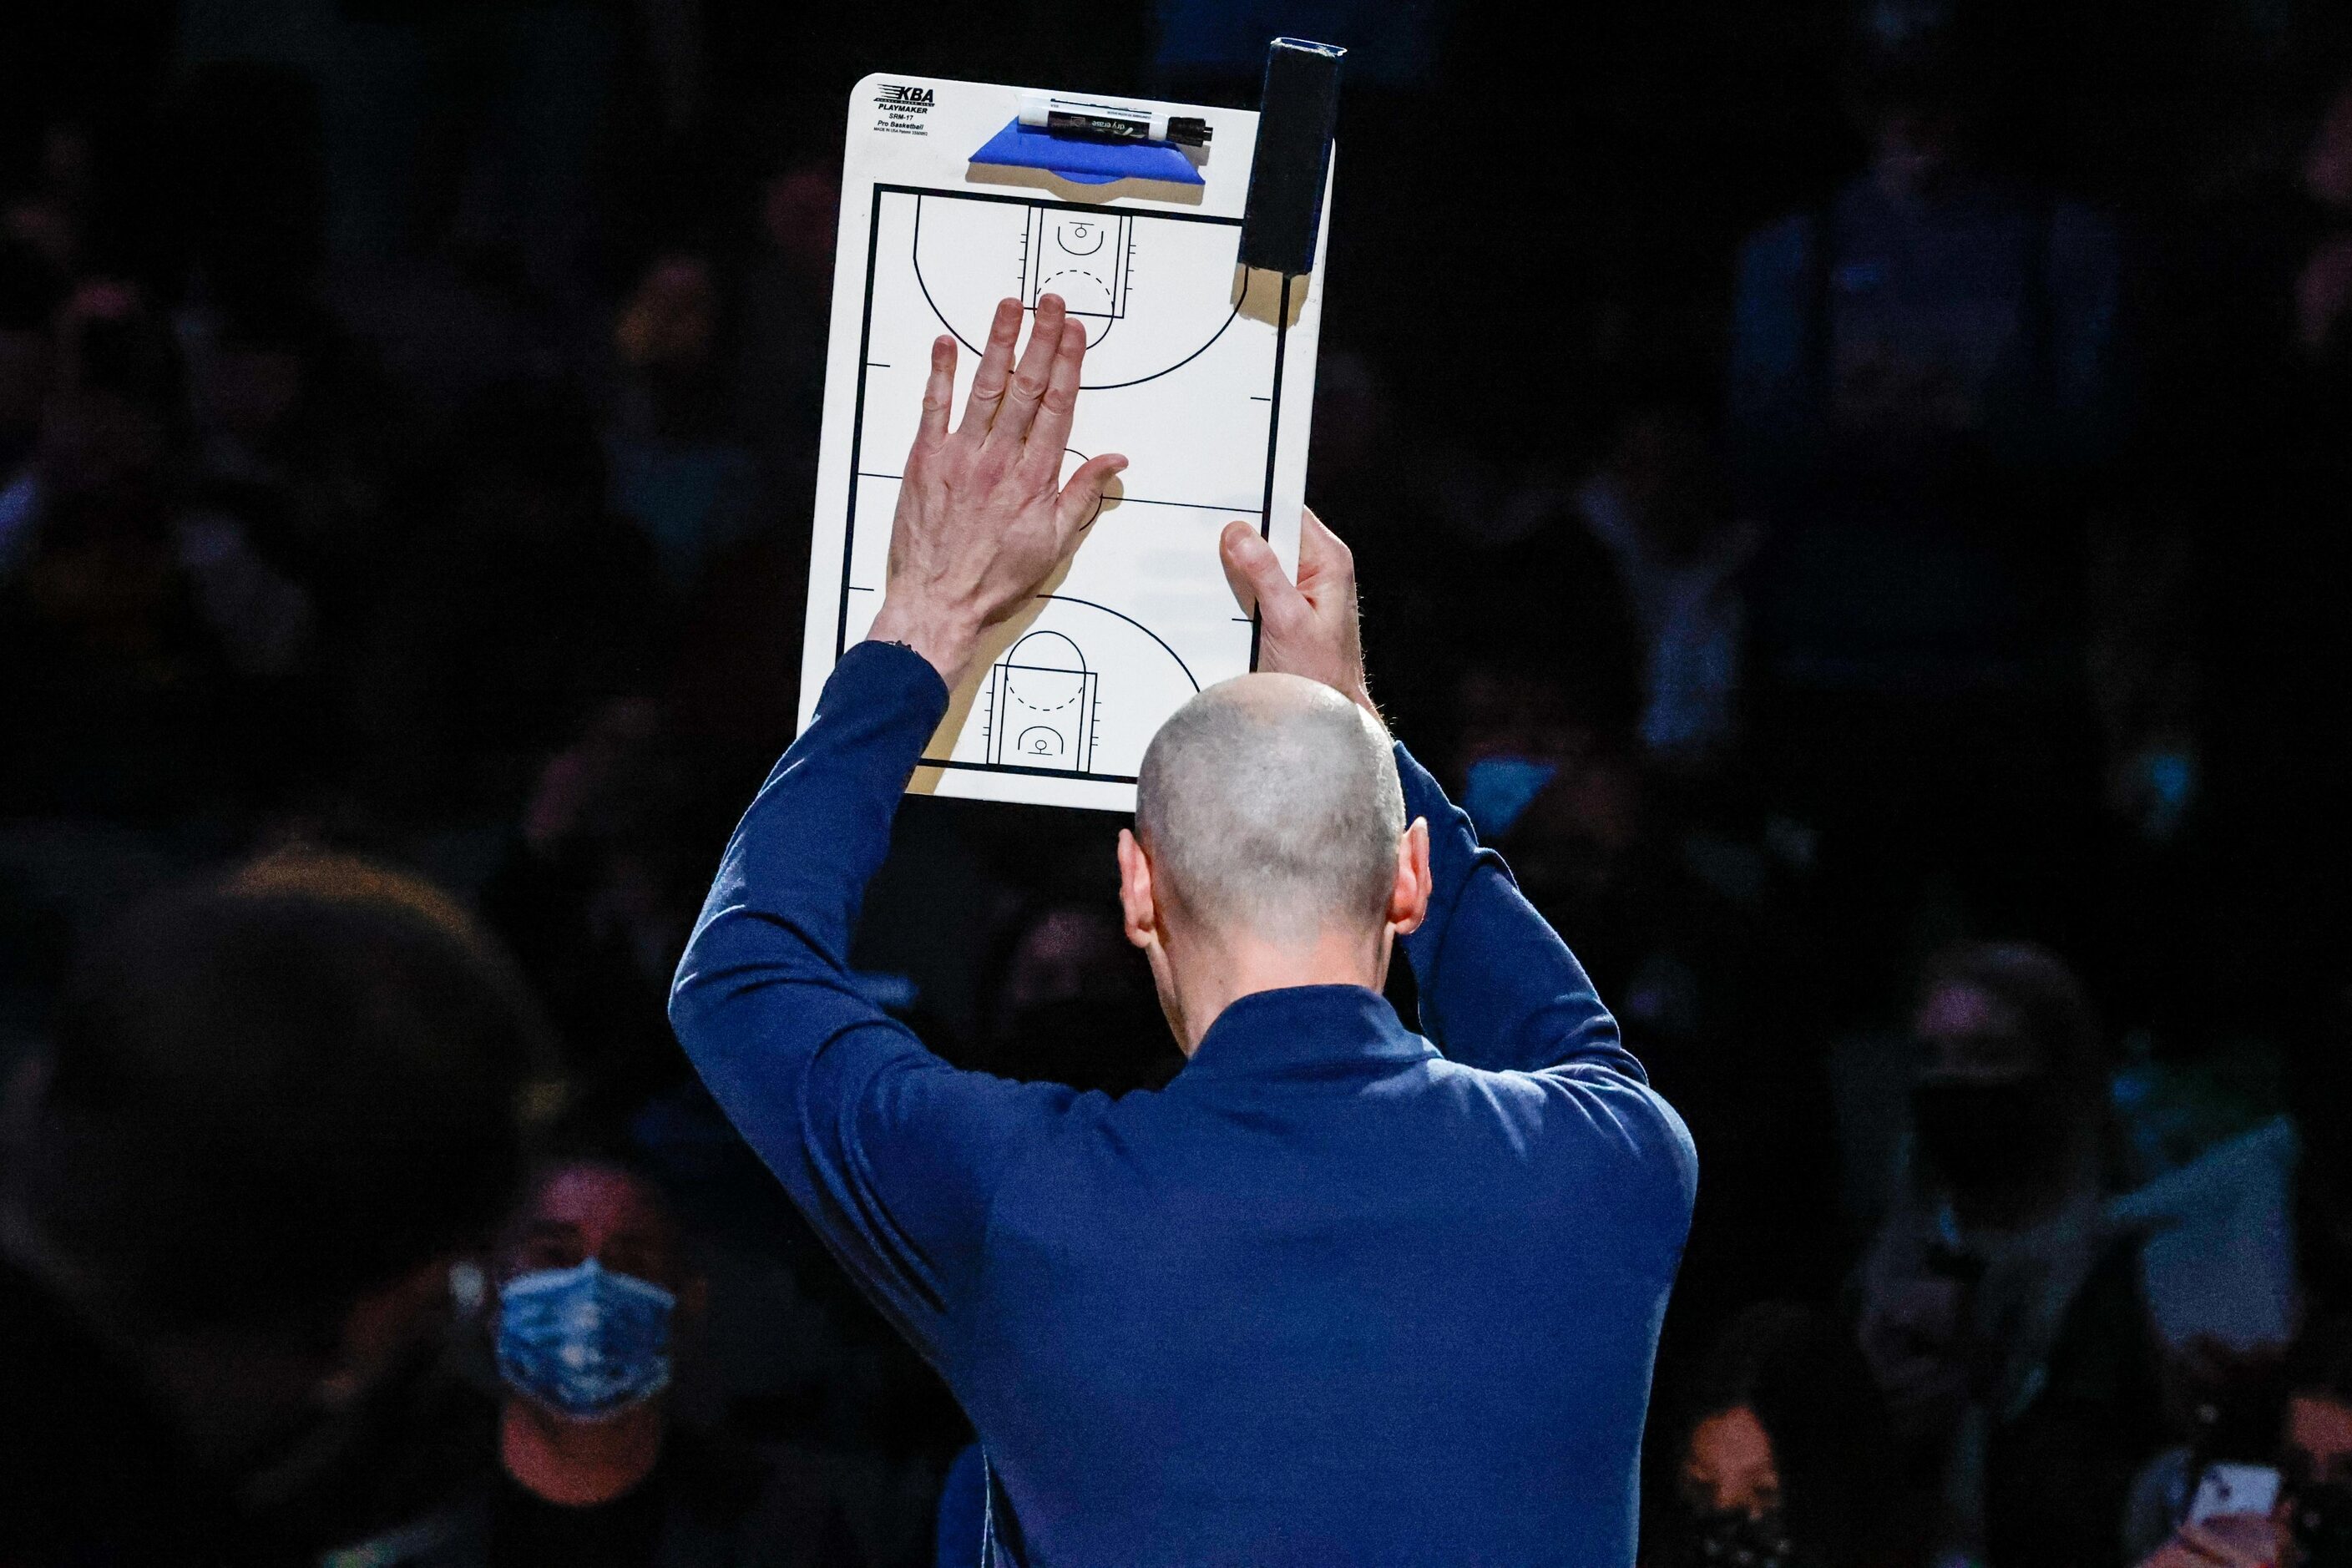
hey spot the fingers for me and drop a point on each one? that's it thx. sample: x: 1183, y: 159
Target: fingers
x: 939, y: 392
x: 1256, y: 577
x: 1019, y: 409
x: 1051, y: 434
x: 996, y: 370
x: 1082, y: 496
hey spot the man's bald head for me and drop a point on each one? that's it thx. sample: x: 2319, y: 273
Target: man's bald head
x: 1270, y: 805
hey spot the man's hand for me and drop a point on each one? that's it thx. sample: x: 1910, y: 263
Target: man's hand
x: 984, y: 519
x: 1308, y: 629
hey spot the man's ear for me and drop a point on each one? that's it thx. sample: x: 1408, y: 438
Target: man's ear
x: 1409, y: 897
x: 1135, y: 901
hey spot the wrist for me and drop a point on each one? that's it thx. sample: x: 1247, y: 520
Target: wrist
x: 947, y: 640
x: 1359, y: 693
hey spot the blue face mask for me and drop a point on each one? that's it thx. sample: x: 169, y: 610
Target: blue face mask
x: 1500, y: 788
x: 583, y: 1343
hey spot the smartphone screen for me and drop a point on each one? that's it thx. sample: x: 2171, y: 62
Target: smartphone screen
x: 2233, y: 1489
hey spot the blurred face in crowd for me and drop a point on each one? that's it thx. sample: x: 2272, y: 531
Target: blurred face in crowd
x: 1730, y: 1465
x: 1985, y: 1107
x: 2318, y: 1441
x: 2313, y: 1515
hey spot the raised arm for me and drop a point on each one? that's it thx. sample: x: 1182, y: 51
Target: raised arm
x: 892, y: 1153
x: 1498, y: 988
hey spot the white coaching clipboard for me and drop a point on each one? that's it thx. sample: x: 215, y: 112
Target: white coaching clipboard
x: 1206, y: 391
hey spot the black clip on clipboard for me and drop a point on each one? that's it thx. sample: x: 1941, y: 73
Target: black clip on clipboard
x: 1297, y: 109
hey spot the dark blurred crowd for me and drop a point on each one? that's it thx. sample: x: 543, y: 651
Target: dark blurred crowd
x: 1853, y: 500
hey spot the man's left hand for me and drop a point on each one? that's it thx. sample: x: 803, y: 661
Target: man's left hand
x: 983, y: 520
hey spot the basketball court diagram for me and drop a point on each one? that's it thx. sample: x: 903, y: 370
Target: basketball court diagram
x: 1041, y: 705
x: 1207, y: 403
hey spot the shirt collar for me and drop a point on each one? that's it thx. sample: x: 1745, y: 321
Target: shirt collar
x: 1304, y: 1031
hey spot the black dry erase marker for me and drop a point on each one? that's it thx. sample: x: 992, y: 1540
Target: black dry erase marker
x: 1111, y: 122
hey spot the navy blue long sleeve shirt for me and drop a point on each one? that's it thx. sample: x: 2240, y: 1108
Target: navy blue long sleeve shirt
x: 1331, y: 1297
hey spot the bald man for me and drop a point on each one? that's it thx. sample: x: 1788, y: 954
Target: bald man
x: 1334, y: 1296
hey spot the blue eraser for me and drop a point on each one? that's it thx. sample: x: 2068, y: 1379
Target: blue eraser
x: 1020, y: 146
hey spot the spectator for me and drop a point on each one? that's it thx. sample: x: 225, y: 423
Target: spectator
x: 598, y: 899
x: 596, y: 1301
x: 2310, y: 1526
x: 1780, y: 1451
x: 1652, y: 503
x: 2002, y: 1313
x: 1924, y: 393
x: 275, y: 1105
x: 137, y: 632
x: 676, y: 470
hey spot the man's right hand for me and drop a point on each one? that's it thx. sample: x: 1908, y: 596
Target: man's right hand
x: 983, y: 518
x: 1309, y: 627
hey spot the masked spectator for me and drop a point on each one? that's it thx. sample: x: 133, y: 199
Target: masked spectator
x: 2002, y: 1310
x: 595, y: 1300
x: 1780, y: 1451
x: 275, y: 1105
